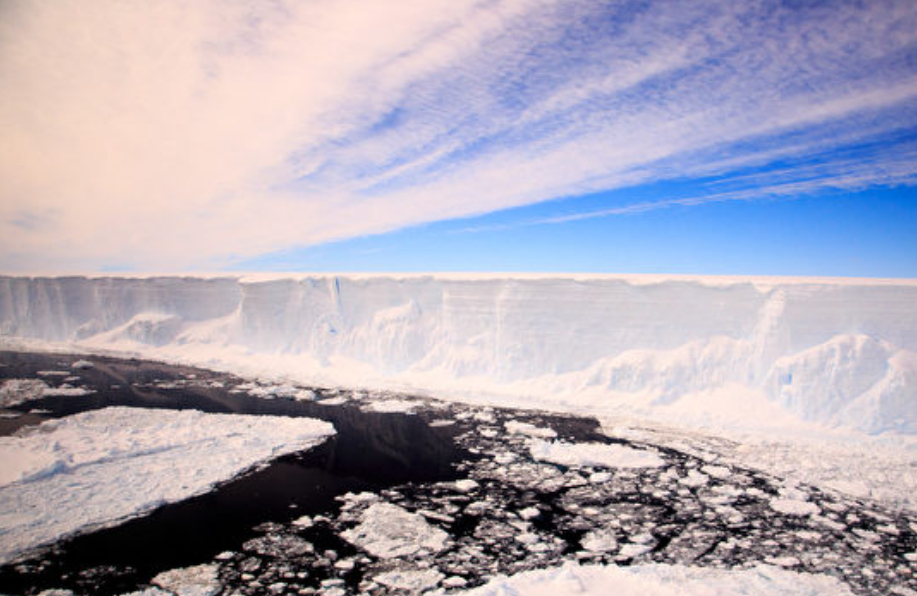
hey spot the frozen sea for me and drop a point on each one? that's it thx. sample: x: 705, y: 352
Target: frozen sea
x: 408, y: 495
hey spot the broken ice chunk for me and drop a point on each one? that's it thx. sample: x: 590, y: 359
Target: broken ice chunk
x: 598, y: 455
x: 523, y: 428
x: 794, y: 507
x: 388, y: 531
x: 412, y: 581
x: 200, y: 580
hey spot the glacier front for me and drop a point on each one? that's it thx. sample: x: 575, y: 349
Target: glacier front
x: 832, y: 352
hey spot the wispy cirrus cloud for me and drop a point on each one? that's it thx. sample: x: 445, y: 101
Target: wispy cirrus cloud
x: 184, y: 135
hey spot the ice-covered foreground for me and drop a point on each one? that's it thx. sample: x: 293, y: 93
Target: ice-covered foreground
x: 662, y: 580
x: 710, y: 350
x: 99, y: 467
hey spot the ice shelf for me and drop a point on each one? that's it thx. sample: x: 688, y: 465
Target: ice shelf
x: 828, y: 351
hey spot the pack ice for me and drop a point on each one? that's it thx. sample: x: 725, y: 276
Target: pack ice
x: 833, y: 352
x: 101, y: 467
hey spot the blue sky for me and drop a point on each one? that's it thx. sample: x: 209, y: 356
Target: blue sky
x: 711, y: 137
x: 869, y: 233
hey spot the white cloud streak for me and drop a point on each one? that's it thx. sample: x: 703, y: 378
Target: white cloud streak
x: 176, y: 135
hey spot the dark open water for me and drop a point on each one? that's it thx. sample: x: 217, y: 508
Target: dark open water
x: 370, y: 451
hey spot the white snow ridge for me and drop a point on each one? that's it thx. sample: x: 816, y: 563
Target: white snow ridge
x: 832, y: 352
x: 100, y: 467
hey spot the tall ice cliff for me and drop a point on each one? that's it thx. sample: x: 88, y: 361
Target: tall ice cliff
x: 835, y: 352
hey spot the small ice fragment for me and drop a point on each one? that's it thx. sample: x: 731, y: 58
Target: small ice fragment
x: 514, y: 427
x: 529, y: 513
x: 465, y: 485
x: 388, y: 531
x: 794, y: 507
x: 454, y: 581
x: 411, y: 581
x: 694, y: 479
x: 505, y: 458
x: 600, y: 541
x: 629, y: 551
x: 718, y: 472
x: 200, y: 580
x: 599, y: 477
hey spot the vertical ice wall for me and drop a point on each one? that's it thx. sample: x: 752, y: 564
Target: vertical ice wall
x: 831, y: 351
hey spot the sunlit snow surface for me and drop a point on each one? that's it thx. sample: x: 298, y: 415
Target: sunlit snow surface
x: 388, y: 532
x: 752, y: 352
x: 593, y: 454
x: 99, y: 467
x: 662, y: 580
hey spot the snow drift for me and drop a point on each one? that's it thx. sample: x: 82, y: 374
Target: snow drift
x: 837, y: 352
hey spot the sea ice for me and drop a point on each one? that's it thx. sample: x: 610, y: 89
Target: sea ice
x: 200, y: 580
x: 411, y: 581
x: 794, y: 506
x: 102, y: 466
x: 388, y: 531
x: 17, y: 391
x: 661, y: 580
x: 388, y: 406
x: 593, y: 455
x: 514, y: 427
x: 600, y: 541
x: 66, y: 390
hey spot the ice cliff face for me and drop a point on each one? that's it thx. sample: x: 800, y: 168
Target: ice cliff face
x: 836, y: 352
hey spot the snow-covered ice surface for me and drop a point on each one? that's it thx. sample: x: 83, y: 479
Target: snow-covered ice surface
x: 755, y: 352
x: 598, y: 455
x: 199, y: 580
x: 661, y: 580
x: 388, y: 532
x: 100, y: 467
x: 826, y: 368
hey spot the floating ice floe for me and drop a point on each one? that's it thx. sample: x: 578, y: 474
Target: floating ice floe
x: 388, y: 531
x: 100, y: 467
x: 662, y: 580
x: 200, y: 580
x: 514, y: 427
x: 411, y: 581
x: 392, y: 406
x: 281, y: 391
x: 67, y: 391
x: 593, y: 455
x: 600, y: 541
x: 18, y: 391
x: 794, y: 506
